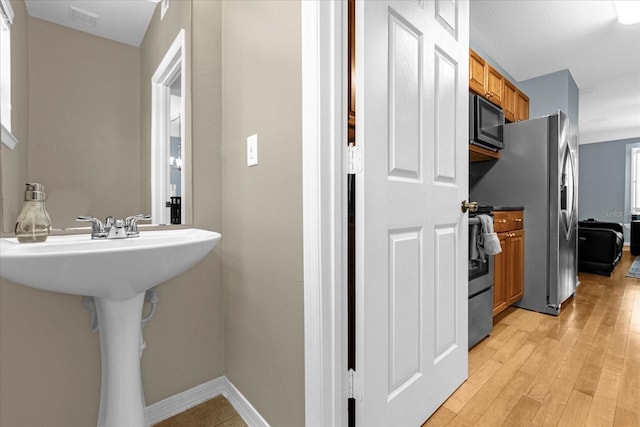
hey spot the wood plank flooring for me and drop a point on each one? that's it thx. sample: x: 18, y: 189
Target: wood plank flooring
x: 581, y: 368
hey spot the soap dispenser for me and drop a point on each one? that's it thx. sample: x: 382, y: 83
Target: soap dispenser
x: 33, y: 222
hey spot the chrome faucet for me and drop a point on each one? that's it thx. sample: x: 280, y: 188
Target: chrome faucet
x: 131, y: 224
x: 114, y: 228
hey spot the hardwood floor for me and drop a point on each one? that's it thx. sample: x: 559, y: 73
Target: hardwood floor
x: 581, y: 368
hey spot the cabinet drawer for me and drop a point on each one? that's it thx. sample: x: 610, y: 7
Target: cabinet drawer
x: 507, y: 220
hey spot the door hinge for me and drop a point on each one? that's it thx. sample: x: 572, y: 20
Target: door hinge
x: 353, y: 159
x: 354, y: 385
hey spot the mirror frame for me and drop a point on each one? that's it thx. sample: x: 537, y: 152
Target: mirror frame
x: 13, y: 187
x: 174, y: 62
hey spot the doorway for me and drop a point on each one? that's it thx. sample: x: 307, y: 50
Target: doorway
x: 326, y: 213
x: 168, y: 143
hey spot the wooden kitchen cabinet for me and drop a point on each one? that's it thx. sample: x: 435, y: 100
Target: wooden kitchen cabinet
x: 476, y: 72
x: 494, y: 84
x: 484, y: 79
x: 522, y: 107
x: 479, y: 154
x: 515, y: 104
x: 509, y: 103
x: 351, y: 73
x: 508, y: 286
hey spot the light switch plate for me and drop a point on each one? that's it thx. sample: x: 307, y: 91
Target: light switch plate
x: 252, y: 150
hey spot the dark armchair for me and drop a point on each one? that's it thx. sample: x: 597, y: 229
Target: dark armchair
x: 599, y: 246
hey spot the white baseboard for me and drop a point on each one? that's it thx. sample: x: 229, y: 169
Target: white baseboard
x: 180, y: 402
x: 243, y: 407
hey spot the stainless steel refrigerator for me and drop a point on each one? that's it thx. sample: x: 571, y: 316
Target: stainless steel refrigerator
x: 538, y: 169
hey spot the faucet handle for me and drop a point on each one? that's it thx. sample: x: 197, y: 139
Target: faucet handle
x: 97, y: 229
x: 109, y: 222
x: 131, y: 224
x: 132, y: 220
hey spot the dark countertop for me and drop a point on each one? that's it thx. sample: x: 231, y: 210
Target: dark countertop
x: 508, y: 208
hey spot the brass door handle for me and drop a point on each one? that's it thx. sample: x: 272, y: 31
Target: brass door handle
x: 469, y: 206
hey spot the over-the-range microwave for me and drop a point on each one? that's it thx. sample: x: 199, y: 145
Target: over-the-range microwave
x: 486, y: 123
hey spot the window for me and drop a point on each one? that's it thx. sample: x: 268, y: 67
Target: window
x: 635, y: 180
x: 6, y: 19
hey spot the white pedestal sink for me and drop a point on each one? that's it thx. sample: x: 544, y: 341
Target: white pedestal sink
x: 117, y: 273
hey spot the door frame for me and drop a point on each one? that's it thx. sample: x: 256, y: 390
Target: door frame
x: 172, y: 64
x: 324, y: 134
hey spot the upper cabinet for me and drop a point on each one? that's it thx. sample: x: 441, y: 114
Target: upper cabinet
x: 515, y: 104
x: 476, y: 72
x: 509, y: 103
x: 522, y: 107
x: 484, y: 79
x: 488, y: 82
x: 494, y: 85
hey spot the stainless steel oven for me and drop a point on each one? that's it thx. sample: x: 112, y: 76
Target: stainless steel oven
x: 480, y: 285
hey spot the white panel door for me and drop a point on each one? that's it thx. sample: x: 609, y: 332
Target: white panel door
x: 411, y: 350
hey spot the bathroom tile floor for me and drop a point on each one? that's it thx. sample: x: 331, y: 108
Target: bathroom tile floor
x: 216, y: 412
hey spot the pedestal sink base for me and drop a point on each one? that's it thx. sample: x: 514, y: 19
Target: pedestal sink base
x: 121, y: 394
x: 116, y: 273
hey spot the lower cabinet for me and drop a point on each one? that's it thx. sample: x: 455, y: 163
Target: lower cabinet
x: 508, y: 286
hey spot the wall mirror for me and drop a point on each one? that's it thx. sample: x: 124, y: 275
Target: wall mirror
x: 167, y: 136
x: 98, y: 123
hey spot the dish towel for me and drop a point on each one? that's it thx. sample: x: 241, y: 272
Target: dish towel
x: 488, y: 239
x: 474, y: 248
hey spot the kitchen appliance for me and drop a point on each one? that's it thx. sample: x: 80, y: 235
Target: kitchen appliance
x: 538, y: 168
x: 480, y: 284
x: 486, y: 123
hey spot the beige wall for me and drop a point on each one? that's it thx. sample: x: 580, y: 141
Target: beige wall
x: 250, y: 329
x: 263, y: 270
x: 50, y: 360
x: 185, y: 345
x: 14, y: 163
x: 84, y: 123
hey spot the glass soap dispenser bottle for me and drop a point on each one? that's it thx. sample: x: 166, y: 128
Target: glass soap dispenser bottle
x: 33, y: 222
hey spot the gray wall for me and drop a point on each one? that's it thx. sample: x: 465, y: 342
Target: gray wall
x: 603, y: 181
x: 552, y: 92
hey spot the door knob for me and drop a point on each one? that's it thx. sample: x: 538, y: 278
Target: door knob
x: 469, y: 206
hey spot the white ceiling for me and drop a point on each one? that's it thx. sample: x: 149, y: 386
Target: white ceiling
x: 527, y: 38
x: 532, y: 38
x: 125, y: 21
